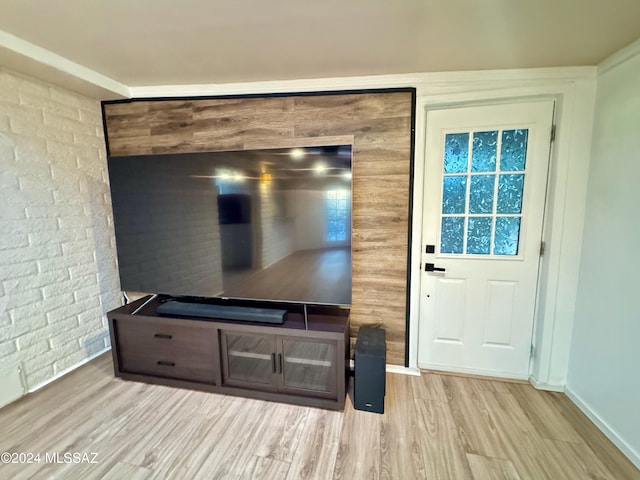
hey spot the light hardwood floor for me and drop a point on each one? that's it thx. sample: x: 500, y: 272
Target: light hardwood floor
x: 434, y: 427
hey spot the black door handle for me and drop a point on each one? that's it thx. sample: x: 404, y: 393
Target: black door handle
x: 430, y: 267
x: 273, y: 363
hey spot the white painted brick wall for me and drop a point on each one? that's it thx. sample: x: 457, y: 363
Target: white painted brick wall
x: 58, y: 273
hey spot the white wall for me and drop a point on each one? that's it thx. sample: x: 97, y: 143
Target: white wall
x: 57, y: 257
x: 603, y: 376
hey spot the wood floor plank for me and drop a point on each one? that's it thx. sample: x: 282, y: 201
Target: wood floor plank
x: 234, y: 445
x: 501, y: 387
x: 429, y: 386
x: 476, y: 428
x: 315, y: 457
x: 434, y: 427
x: 120, y: 432
x: 617, y: 464
x: 359, y: 449
x: 171, y: 433
x: 504, y: 406
x: 74, y: 430
x: 540, y: 408
x: 262, y: 468
x: 521, y: 442
x: 400, y: 440
x: 547, y: 458
x: 484, y: 468
x: 279, y: 437
x: 205, y: 431
x: 85, y: 386
x: 128, y: 471
x: 441, y: 447
x: 577, y: 460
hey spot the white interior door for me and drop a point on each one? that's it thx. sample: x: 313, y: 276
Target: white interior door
x: 485, y: 187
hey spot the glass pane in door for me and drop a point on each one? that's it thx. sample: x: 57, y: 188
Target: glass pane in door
x: 510, y: 189
x: 456, y: 153
x: 484, y: 151
x: 479, y: 235
x: 454, y: 194
x: 250, y: 358
x: 507, y: 234
x: 514, y: 150
x: 481, y: 193
x: 452, y: 235
x: 482, y: 197
x: 308, y: 365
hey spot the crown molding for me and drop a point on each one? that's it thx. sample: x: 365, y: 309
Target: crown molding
x: 277, y: 86
x: 419, y: 80
x: 30, y: 59
x: 619, y: 57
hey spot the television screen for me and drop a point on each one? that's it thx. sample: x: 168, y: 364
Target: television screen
x: 272, y: 224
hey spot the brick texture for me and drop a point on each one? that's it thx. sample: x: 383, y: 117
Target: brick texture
x: 58, y: 273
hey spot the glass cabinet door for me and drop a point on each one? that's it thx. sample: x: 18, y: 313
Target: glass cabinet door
x: 309, y: 366
x: 248, y: 360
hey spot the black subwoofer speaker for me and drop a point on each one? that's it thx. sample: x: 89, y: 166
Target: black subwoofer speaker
x: 369, y: 377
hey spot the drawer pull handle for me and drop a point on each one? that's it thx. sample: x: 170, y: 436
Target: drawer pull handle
x: 163, y: 335
x: 166, y: 364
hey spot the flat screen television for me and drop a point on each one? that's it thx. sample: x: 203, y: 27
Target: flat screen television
x: 270, y: 224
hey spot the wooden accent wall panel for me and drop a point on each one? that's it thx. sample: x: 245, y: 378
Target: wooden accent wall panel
x: 378, y: 125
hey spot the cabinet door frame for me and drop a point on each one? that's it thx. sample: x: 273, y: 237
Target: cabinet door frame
x: 333, y: 374
x: 226, y: 380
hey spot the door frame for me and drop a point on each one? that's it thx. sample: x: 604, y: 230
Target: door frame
x: 544, y: 141
x: 567, y: 181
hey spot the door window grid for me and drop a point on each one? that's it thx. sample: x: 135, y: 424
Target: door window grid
x: 485, y: 220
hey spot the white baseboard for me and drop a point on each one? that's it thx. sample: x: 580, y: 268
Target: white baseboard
x: 13, y: 385
x: 545, y: 386
x: 67, y: 370
x: 394, y: 369
x: 611, y: 434
x: 403, y: 370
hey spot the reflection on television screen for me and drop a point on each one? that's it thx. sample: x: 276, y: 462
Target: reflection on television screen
x: 258, y: 224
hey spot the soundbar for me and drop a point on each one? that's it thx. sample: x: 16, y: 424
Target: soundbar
x: 223, y: 312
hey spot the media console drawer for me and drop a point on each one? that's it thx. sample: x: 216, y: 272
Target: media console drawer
x: 147, y: 335
x: 181, y: 366
x: 173, y: 351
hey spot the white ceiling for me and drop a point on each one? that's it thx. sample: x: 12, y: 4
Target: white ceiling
x: 166, y: 42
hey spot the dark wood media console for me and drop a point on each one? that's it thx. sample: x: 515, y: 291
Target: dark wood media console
x: 305, y: 364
